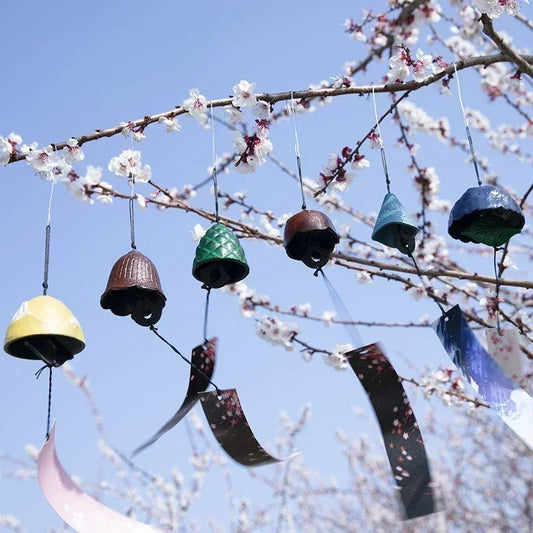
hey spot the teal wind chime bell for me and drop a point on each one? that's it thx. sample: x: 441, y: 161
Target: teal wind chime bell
x: 219, y: 258
x: 394, y: 227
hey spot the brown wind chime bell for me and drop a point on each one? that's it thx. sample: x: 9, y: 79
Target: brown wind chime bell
x: 134, y: 289
x: 310, y: 237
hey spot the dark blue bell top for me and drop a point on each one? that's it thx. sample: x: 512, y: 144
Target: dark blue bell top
x: 485, y: 214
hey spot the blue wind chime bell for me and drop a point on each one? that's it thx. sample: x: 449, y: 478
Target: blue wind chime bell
x: 394, y: 227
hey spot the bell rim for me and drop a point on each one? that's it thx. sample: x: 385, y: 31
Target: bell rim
x: 104, y: 299
x: 207, y: 262
x: 80, y: 344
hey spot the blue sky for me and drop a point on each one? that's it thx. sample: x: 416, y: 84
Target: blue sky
x: 73, y: 67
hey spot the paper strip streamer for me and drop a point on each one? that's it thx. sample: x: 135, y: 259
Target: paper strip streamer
x: 504, y: 347
x: 512, y: 403
x: 80, y: 511
x: 403, y: 440
x: 231, y: 429
x: 203, y: 358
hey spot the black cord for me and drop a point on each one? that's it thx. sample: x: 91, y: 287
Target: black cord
x: 473, y: 153
x: 157, y: 334
x: 46, y: 259
x: 37, y: 376
x: 426, y: 288
x: 497, y: 291
x: 132, y: 221
x: 206, y: 311
x: 299, y: 165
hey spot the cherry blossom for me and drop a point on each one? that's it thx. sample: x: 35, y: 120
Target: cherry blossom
x: 43, y: 160
x: 277, y: 332
x: 196, y: 104
x: 171, y: 124
x: 6, y: 149
x: 399, y: 68
x: 128, y: 165
x: 72, y: 153
x: 244, y: 94
x: 421, y: 65
x: 198, y: 232
x: 496, y: 8
x: 234, y: 114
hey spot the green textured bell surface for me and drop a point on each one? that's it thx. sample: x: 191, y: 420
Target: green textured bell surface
x: 220, y: 258
x: 394, y: 227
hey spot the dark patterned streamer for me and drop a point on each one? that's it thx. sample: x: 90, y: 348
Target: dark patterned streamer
x: 512, y: 403
x: 403, y: 440
x: 203, y: 358
x: 230, y: 427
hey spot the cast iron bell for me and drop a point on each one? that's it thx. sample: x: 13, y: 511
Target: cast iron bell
x: 134, y: 289
x: 310, y: 237
x: 44, y: 329
x: 487, y: 215
x: 394, y: 227
x: 219, y: 258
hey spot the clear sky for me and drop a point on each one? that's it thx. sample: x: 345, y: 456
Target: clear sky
x: 69, y: 68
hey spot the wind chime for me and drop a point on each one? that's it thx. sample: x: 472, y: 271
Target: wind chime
x: 311, y: 237
x: 486, y: 215
x: 43, y: 328
x: 219, y: 261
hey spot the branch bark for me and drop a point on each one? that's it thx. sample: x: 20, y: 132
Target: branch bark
x: 305, y: 94
x: 517, y: 59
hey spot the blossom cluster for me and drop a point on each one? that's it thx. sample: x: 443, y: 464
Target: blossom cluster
x: 334, y: 169
x: 277, y: 332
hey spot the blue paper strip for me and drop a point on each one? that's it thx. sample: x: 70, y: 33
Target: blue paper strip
x: 511, y: 403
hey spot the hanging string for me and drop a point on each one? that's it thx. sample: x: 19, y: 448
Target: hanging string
x: 381, y: 145
x: 132, y: 212
x: 467, y: 127
x: 297, y: 150
x: 429, y: 292
x: 342, y: 312
x: 206, y: 311
x: 47, y: 239
x: 37, y: 376
x: 214, y: 173
x: 497, y: 292
x: 157, y: 334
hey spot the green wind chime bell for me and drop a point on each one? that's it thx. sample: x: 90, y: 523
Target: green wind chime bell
x: 219, y: 258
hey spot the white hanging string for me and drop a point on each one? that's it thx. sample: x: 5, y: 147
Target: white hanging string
x: 381, y: 143
x: 297, y: 149
x: 214, y: 172
x: 467, y: 127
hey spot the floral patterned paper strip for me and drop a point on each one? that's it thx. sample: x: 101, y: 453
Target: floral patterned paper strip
x: 80, y: 511
x: 504, y: 347
x: 512, y: 403
x: 403, y: 440
x: 230, y: 427
x: 203, y: 358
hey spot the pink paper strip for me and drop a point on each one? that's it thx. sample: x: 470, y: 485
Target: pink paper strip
x: 80, y: 511
x: 504, y: 347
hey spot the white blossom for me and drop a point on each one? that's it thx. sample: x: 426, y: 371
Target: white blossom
x: 72, y: 153
x: 196, y: 104
x: 244, y: 94
x: 234, y: 115
x: 198, y: 232
x: 171, y: 124
x: 495, y: 8
x: 399, y: 69
x: 6, y: 149
x: 276, y: 332
x: 128, y: 164
x: 43, y: 160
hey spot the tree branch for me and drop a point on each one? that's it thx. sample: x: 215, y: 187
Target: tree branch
x: 304, y: 94
x: 518, y: 60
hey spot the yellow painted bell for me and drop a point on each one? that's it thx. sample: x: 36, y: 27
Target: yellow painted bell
x: 44, y: 329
